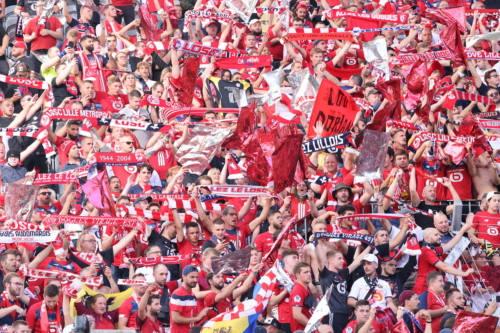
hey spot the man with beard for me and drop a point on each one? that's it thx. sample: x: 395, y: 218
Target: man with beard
x: 128, y: 309
x: 54, y: 312
x: 19, y: 54
x: 183, y: 304
x: 264, y: 241
x: 220, y: 298
x: 10, y: 261
x: 66, y: 135
x: 333, y: 175
x: 396, y: 280
x: 430, y: 259
x: 90, y: 63
x: 409, y: 305
x: 455, y: 301
x: 13, y: 301
x: 341, y: 194
x: 149, y: 311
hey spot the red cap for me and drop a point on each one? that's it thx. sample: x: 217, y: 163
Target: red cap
x: 66, y: 146
x: 302, y: 5
x: 20, y: 45
x: 213, y: 22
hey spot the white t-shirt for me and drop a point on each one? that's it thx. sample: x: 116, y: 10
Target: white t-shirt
x: 360, y: 289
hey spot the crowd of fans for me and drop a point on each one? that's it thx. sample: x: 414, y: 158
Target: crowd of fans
x: 102, y: 58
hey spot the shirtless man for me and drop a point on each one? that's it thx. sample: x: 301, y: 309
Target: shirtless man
x: 309, y: 255
x: 483, y: 171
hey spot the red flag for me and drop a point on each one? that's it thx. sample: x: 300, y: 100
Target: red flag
x: 245, y: 127
x: 453, y: 42
x: 188, y: 80
x: 285, y: 158
x: 391, y: 90
x: 458, y: 13
x: 97, y: 191
x: 335, y: 108
x: 353, y: 22
x: 467, y: 321
x: 343, y: 74
x: 418, y: 84
x: 446, y: 16
x: 392, y: 111
x: 258, y: 167
x: 401, y: 327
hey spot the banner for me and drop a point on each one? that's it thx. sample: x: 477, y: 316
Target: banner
x: 494, y: 12
x: 202, y: 50
x: 56, y: 178
x: 191, y: 204
x: 337, y: 13
x: 419, y: 139
x: 296, y: 34
x: 95, y: 281
x: 153, y: 261
x: 122, y: 222
x: 489, y: 123
x: 403, y: 124
x: 237, y: 191
x: 364, y: 217
x: 157, y: 101
x: 457, y: 95
x: 270, y: 10
x: 60, y: 113
x: 120, y: 159
x: 174, y: 112
x: 368, y: 240
x: 20, y: 231
x: 244, y: 62
x: 21, y: 131
x: 154, y: 196
x: 136, y: 125
x: 335, y: 108
x: 19, y: 81
x: 128, y: 282
x: 334, y: 141
x: 232, y: 263
x: 481, y: 55
x: 429, y: 56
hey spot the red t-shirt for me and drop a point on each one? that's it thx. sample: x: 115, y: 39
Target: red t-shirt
x: 426, y: 263
x: 284, y: 305
x: 238, y: 204
x: 162, y: 160
x: 42, y: 42
x: 461, y: 180
x: 434, y: 302
x: 264, y: 242
x: 297, y: 298
x: 352, y: 325
x: 186, y: 248
x: 149, y: 326
x: 122, y: 172
x: 487, y: 227
x: 425, y: 169
x: 128, y: 251
x: 129, y: 309
x: 33, y: 318
x: 239, y: 236
x: 222, y: 306
x: 301, y: 209
x: 184, y: 302
x: 109, y: 102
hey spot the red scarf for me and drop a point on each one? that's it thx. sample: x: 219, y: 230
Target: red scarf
x: 91, y: 69
x: 110, y: 27
x: 44, y: 319
x: 338, y: 13
x: 124, y: 222
x: 244, y: 62
x: 319, y: 34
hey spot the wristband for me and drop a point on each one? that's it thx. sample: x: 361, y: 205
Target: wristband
x: 429, y: 322
x: 62, y: 54
x: 316, y: 284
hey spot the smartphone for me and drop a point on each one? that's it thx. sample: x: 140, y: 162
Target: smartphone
x: 71, y: 45
x: 101, y: 265
x: 16, y: 91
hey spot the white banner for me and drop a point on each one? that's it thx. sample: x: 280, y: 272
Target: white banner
x: 28, y: 236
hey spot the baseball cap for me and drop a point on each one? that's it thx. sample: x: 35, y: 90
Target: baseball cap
x: 405, y: 295
x: 271, y: 321
x: 371, y: 257
x: 407, y: 210
x: 136, y: 201
x: 189, y: 269
x: 490, y: 195
x: 13, y: 153
x: 302, y: 5
x: 316, y: 42
x: 21, y: 45
x: 253, y: 21
x: 22, y: 67
x: 373, y: 91
x: 213, y: 22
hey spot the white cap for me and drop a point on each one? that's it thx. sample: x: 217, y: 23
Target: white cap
x: 371, y: 257
x: 253, y: 21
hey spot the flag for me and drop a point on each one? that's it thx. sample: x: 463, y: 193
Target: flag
x: 453, y: 42
x: 418, y: 84
x: 98, y: 193
x: 321, y: 310
x: 243, y: 317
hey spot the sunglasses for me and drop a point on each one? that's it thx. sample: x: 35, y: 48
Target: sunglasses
x: 44, y: 193
x: 495, y: 76
x: 224, y: 149
x: 494, y: 94
x: 128, y: 142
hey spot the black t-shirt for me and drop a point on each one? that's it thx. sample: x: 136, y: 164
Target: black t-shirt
x: 60, y: 92
x: 26, y: 60
x: 338, y: 298
x: 2, y: 34
x: 424, y: 221
x: 408, y: 322
x: 447, y: 315
x: 483, y: 89
x: 29, y: 6
x: 167, y: 248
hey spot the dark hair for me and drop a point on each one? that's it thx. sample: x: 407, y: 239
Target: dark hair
x: 450, y: 323
x: 72, y: 122
x: 218, y: 221
x: 135, y: 93
x: 51, y: 291
x: 346, y: 208
x: 289, y: 252
x: 357, y: 79
x: 137, y: 275
x: 390, y: 152
x: 221, y: 75
x: 191, y: 225
x: 361, y: 302
x: 156, y: 85
x: 272, y: 213
x: 487, y: 74
x: 401, y: 152
x: 298, y: 267
x: 210, y: 276
x: 148, y: 249
x: 204, y: 177
x: 153, y: 297
x: 147, y: 166
x: 448, y: 285
x: 7, y: 278
x: 83, y: 39
x: 449, y: 294
x: 93, y: 300
x: 14, y: 252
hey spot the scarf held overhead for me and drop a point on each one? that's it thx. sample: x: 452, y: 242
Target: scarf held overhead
x: 123, y: 222
x: 296, y: 34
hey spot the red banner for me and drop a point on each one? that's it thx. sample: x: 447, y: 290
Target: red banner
x: 319, y: 34
x: 481, y: 55
x: 95, y: 281
x: 337, y: 13
x: 58, y: 113
x: 24, y: 82
x: 56, y: 178
x: 335, y: 108
x: 241, y: 191
x: 123, y: 222
x: 456, y: 95
x: 244, y: 62
x: 118, y: 159
x: 429, y: 56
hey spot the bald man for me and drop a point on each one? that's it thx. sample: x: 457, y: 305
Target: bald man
x: 430, y: 259
x: 429, y: 203
x: 442, y: 225
x: 164, y: 288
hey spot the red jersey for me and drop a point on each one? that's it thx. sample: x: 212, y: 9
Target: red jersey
x: 162, y: 160
x: 239, y: 236
x: 42, y: 42
x: 221, y: 306
x: 434, y: 302
x: 462, y: 182
x: 238, y: 204
x: 198, y: 91
x: 128, y: 251
x: 184, y: 302
x: 297, y: 298
x: 426, y: 171
x: 187, y: 248
x: 129, y: 309
x: 352, y: 325
x: 111, y: 103
x: 426, y: 263
x: 122, y: 172
x: 264, y: 242
x: 33, y: 318
x: 487, y: 227
x: 284, y: 305
x: 299, y: 208
x: 149, y: 326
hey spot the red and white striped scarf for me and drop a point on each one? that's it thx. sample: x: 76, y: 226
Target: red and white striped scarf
x: 30, y: 132
x: 110, y: 27
x: 62, y: 276
x: 153, y: 261
x: 91, y: 70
